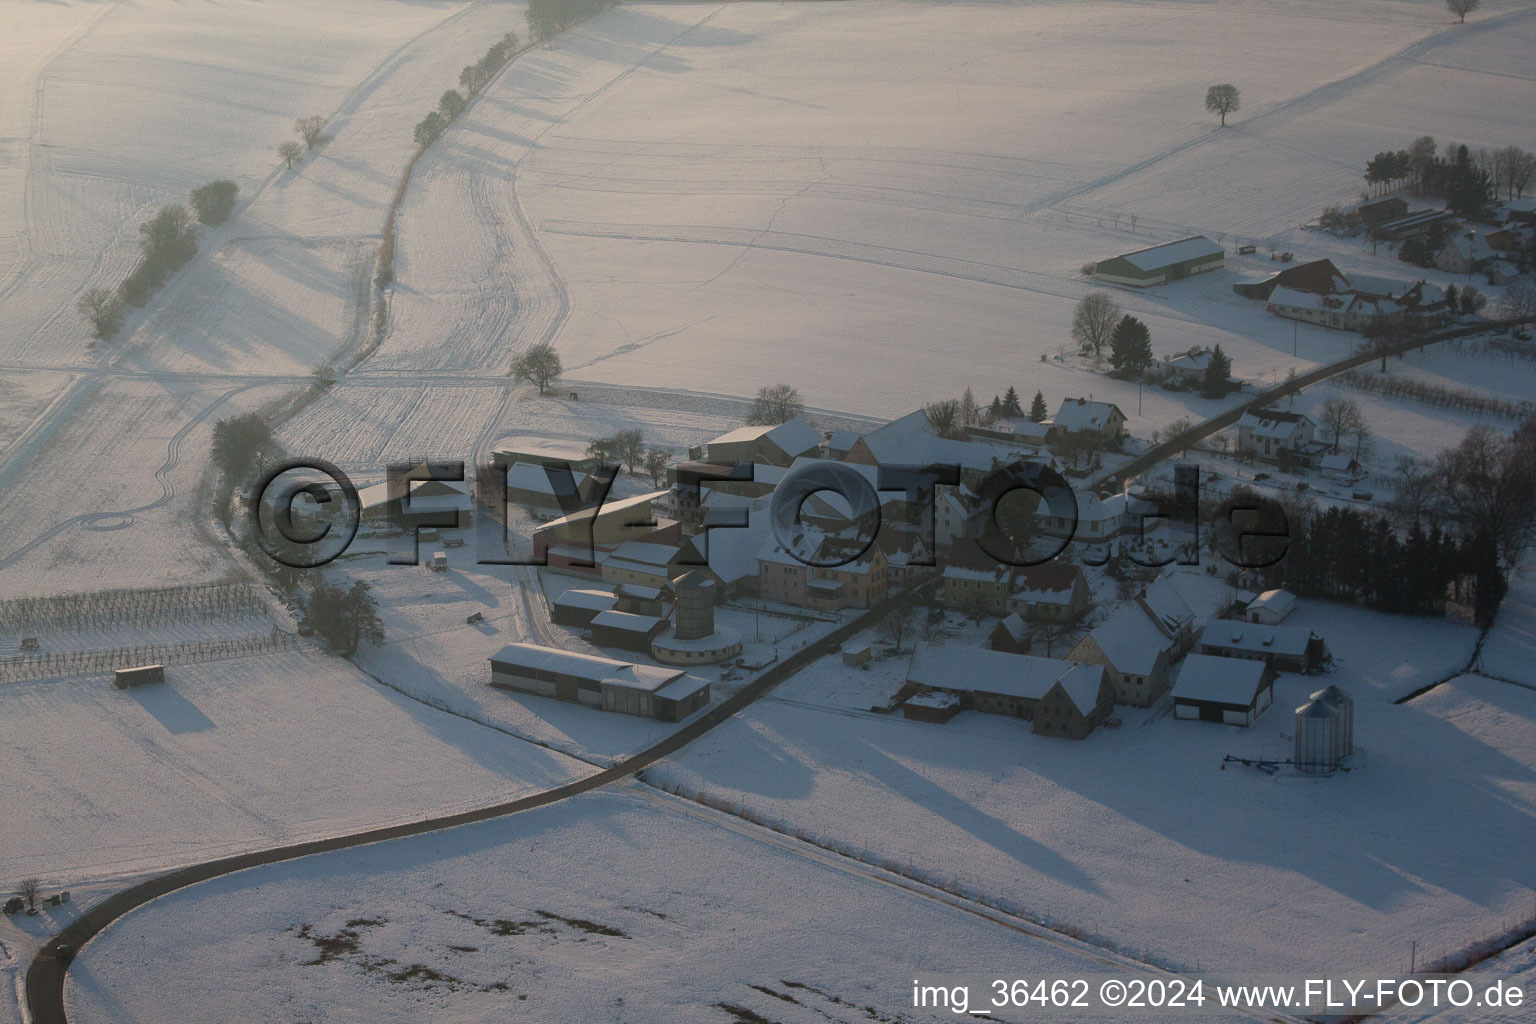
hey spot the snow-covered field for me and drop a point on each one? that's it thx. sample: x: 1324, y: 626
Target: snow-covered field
x: 607, y: 907
x: 1139, y: 836
x: 234, y: 755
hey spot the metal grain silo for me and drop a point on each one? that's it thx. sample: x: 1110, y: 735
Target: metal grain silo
x: 695, y: 591
x: 1344, y: 704
x: 1317, y: 738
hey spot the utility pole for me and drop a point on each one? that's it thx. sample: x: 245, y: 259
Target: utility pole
x: 1413, y: 956
x: 1295, y: 333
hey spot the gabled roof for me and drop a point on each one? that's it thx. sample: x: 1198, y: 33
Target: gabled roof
x: 967, y: 668
x: 1076, y: 414
x: 1169, y: 610
x: 1276, y: 600
x: 592, y: 600
x: 1208, y: 677
x: 583, y: 666
x: 641, y: 554
x: 1015, y: 626
x: 1130, y: 640
x: 1273, y: 423
x: 794, y: 437
x: 1047, y: 583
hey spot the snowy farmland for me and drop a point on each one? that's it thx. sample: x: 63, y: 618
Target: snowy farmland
x: 598, y: 909
x: 880, y: 202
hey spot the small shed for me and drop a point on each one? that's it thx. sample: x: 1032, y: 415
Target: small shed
x: 938, y: 706
x: 141, y: 675
x: 856, y: 652
x: 1271, y: 607
x: 1011, y: 635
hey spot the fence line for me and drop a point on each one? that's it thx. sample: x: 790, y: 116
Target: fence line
x: 132, y: 608
x: 51, y: 664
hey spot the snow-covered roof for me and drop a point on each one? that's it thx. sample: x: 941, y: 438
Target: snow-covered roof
x: 582, y: 666
x: 1015, y: 626
x: 425, y: 495
x: 1167, y: 605
x: 1190, y: 362
x: 642, y: 556
x: 1274, y: 424
x: 794, y: 437
x: 528, y: 476
x: 627, y: 506
x: 1078, y: 414
x: 1340, y: 461
x: 842, y: 440
x: 592, y: 600
x: 966, y: 668
x: 1259, y: 639
x: 1208, y: 677
x: 733, y: 551
x: 1278, y: 601
x: 911, y: 440
x: 626, y: 622
x: 1047, y: 583
x: 1157, y: 257
x: 1130, y: 640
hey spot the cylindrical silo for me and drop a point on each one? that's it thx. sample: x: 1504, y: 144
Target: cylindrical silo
x: 1317, y: 738
x: 695, y: 592
x: 1344, y: 704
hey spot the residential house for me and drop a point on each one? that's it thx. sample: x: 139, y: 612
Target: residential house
x: 975, y: 582
x: 1053, y: 591
x: 1010, y: 635
x: 776, y: 445
x: 1271, y: 434
x: 1081, y: 417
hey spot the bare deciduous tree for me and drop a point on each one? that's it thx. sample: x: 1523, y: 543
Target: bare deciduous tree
x: 290, y: 151
x: 1462, y: 8
x: 1223, y: 100
x: 1093, y: 322
x: 102, y: 309
x: 775, y: 404
x: 311, y: 129
x: 30, y: 890
x: 1518, y: 304
x: 539, y: 366
x: 1339, y: 415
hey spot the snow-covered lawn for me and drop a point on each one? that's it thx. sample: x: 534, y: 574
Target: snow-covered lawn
x: 234, y: 755
x: 614, y: 906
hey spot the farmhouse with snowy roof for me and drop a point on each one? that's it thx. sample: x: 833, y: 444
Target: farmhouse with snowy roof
x: 1078, y: 417
x: 1271, y: 434
x: 1137, y: 643
x: 1158, y: 264
x: 1061, y: 698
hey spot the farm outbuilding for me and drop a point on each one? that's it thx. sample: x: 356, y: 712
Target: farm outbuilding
x: 1061, y: 698
x: 1270, y: 607
x: 666, y: 694
x: 625, y: 631
x: 1159, y: 264
x: 1287, y: 648
x: 1226, y: 690
x: 579, y: 607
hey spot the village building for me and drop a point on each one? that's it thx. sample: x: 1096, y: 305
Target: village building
x: 975, y: 582
x: 1053, y: 591
x: 1138, y: 642
x: 1465, y: 252
x: 1010, y: 635
x: 859, y: 583
x: 1341, y: 466
x: 578, y: 540
x: 645, y: 563
x: 626, y: 631
x: 1287, y: 648
x: 1412, y: 225
x: 440, y: 504
x: 774, y: 445
x: 579, y: 461
x: 666, y: 694
x: 1062, y: 699
x: 537, y: 487
x: 1271, y: 434
x: 1227, y: 690
x: 1271, y: 607
x: 1081, y: 417
x: 1319, y: 277
x: 1159, y: 264
x: 579, y: 607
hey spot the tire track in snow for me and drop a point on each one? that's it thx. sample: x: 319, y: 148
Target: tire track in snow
x: 162, y: 476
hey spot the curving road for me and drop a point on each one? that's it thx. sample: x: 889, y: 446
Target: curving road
x: 44, y: 981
